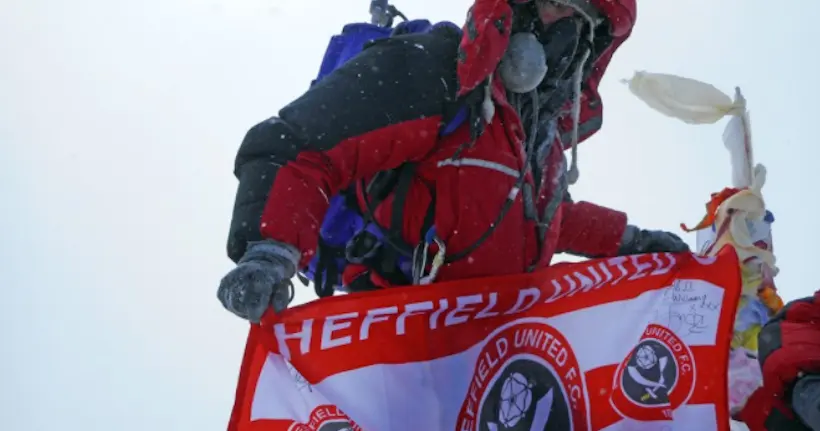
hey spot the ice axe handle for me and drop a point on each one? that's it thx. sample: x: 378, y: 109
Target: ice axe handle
x: 806, y: 401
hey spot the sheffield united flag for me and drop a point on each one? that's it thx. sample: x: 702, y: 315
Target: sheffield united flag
x: 627, y: 343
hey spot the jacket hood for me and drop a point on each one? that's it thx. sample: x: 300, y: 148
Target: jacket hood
x: 487, y: 33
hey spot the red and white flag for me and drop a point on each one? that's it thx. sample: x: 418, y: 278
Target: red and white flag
x: 627, y: 343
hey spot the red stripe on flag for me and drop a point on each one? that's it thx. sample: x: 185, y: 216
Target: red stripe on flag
x: 252, y: 361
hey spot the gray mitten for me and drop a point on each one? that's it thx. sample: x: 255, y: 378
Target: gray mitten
x: 260, y: 280
x: 638, y: 241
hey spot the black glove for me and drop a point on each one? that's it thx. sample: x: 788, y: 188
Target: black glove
x: 806, y: 402
x: 261, y: 279
x: 638, y: 241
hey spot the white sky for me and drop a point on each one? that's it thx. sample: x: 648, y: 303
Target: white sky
x: 119, y: 121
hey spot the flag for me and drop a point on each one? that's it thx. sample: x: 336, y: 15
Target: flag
x: 626, y: 343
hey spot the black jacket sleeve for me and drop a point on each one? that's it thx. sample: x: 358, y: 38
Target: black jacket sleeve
x: 392, y: 81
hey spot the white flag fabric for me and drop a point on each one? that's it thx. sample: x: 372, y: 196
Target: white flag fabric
x: 696, y: 102
x: 626, y: 343
x: 689, y: 100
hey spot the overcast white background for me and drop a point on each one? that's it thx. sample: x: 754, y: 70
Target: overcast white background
x: 119, y: 121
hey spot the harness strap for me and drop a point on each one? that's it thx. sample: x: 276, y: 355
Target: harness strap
x: 326, y: 270
x: 394, y: 230
x: 392, y: 235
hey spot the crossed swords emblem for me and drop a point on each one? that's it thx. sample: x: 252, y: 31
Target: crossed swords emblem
x: 649, y: 386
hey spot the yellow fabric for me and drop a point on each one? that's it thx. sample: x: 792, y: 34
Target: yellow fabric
x: 746, y: 339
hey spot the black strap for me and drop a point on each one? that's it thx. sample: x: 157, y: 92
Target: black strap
x: 392, y: 235
x: 380, y: 186
x: 429, y: 217
x: 327, y: 272
x: 394, y: 231
x: 362, y: 283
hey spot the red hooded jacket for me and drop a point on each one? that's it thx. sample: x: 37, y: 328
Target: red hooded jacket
x: 384, y: 108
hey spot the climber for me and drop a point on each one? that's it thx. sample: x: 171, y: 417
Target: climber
x: 789, y: 356
x: 487, y: 198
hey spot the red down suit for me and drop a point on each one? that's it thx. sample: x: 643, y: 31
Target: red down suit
x: 386, y: 107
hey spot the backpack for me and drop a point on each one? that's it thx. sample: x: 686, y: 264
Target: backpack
x: 348, y: 233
